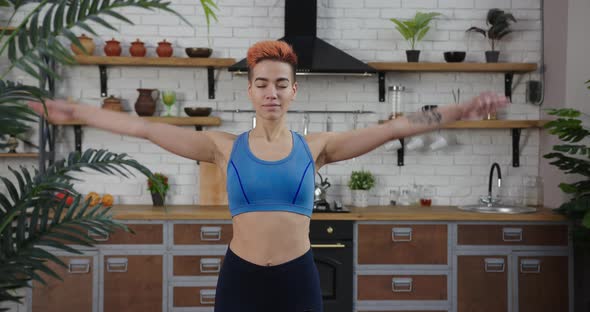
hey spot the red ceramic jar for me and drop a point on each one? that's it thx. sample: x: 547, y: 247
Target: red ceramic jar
x: 112, y: 48
x: 137, y: 49
x: 164, y: 49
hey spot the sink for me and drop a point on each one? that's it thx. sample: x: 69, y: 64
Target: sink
x: 498, y: 208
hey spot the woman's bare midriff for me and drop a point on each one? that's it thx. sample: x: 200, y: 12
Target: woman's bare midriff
x: 270, y: 237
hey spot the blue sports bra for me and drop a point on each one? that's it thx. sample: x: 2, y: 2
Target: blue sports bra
x: 254, y: 184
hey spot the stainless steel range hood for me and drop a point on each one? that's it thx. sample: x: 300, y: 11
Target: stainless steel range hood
x: 315, y: 56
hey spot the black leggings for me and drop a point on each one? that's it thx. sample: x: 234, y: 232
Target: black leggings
x: 293, y: 286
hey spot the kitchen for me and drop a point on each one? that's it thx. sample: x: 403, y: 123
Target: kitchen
x: 457, y: 174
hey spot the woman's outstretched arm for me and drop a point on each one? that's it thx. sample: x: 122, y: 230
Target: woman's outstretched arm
x: 197, y: 145
x: 339, y: 146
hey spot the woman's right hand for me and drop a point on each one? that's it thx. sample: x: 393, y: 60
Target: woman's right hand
x: 59, y: 111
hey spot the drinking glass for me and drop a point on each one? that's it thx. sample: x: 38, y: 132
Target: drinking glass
x: 168, y: 98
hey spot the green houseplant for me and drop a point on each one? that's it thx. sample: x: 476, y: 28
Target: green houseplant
x: 32, y: 215
x: 158, y: 187
x: 413, y: 30
x: 360, y: 183
x: 499, y: 26
x: 573, y: 157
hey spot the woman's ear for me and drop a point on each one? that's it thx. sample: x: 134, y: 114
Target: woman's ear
x: 295, y: 88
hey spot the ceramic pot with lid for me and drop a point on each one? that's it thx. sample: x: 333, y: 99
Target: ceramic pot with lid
x: 164, y: 49
x: 112, y: 103
x: 137, y: 49
x: 112, y: 48
x: 87, y: 43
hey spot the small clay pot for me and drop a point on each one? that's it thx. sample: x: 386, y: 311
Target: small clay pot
x: 112, y: 48
x: 87, y: 43
x: 112, y: 103
x: 137, y: 49
x: 164, y: 49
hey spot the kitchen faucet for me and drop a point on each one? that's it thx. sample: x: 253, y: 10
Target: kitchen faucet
x: 489, y: 199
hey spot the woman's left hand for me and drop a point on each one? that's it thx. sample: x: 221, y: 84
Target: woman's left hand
x: 482, y: 105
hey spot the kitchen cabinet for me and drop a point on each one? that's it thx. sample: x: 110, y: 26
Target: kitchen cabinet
x: 482, y: 283
x: 543, y: 283
x: 79, y: 278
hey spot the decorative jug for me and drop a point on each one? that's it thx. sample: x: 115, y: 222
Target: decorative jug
x: 146, y: 102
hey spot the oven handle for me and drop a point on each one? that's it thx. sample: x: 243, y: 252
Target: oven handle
x: 337, y: 245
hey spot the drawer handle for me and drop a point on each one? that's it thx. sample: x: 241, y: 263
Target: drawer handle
x: 530, y: 266
x: 211, y: 233
x: 207, y: 296
x: 79, y: 266
x: 401, y: 284
x: 493, y: 265
x: 512, y: 234
x: 117, y: 264
x: 401, y: 234
x: 210, y: 265
x: 102, y: 237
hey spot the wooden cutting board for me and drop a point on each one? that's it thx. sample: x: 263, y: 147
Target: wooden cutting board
x: 212, y: 182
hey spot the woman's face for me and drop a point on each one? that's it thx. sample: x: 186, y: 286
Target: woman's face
x: 271, y: 89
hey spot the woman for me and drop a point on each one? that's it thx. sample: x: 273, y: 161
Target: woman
x: 270, y: 177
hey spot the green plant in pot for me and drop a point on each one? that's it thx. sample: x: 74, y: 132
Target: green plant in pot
x: 40, y: 208
x: 414, y: 30
x: 499, y: 26
x: 209, y: 8
x: 360, y: 183
x: 573, y: 157
x: 158, y: 187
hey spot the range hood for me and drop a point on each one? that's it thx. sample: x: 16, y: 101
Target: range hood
x: 315, y: 56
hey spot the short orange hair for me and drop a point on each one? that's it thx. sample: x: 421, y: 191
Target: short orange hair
x: 271, y: 50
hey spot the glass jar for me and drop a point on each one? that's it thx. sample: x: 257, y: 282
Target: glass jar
x: 395, y: 94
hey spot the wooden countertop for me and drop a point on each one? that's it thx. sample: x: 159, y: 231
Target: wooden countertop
x: 372, y: 213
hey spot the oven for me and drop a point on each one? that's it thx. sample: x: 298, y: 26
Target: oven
x: 331, y: 243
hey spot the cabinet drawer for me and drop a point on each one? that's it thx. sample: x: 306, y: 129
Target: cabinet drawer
x: 194, y: 296
x: 496, y: 234
x: 402, y: 287
x: 202, y: 234
x: 402, y: 244
x: 196, y: 265
x: 144, y: 234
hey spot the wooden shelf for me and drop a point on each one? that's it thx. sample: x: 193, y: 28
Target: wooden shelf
x: 508, y: 69
x: 8, y: 29
x: 19, y: 155
x: 154, y: 61
x: 178, y: 121
x: 492, y: 124
x: 515, y: 127
x: 455, y: 67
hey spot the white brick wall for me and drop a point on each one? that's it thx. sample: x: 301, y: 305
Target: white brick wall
x: 362, y: 28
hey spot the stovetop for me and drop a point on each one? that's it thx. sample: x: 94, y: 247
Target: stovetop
x: 324, y: 206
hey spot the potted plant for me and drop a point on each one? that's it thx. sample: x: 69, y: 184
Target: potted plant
x: 573, y: 158
x: 208, y: 7
x: 413, y: 30
x: 360, y: 183
x: 158, y: 187
x: 41, y: 207
x: 499, y: 22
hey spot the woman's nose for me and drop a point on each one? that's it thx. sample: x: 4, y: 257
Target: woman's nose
x: 271, y: 92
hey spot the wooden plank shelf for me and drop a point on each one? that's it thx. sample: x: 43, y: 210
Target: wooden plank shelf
x: 509, y: 69
x: 492, y: 124
x: 197, y: 122
x: 455, y: 67
x: 103, y: 61
x: 8, y: 29
x: 178, y: 121
x: 515, y: 127
x: 19, y: 155
x: 155, y: 61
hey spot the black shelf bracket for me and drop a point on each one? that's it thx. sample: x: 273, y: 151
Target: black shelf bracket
x: 400, y: 153
x: 78, y: 139
x: 516, y: 147
x: 211, y: 82
x: 102, y: 69
x: 381, y: 86
x: 508, y: 85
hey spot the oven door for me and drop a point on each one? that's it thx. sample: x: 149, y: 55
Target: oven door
x: 334, y: 262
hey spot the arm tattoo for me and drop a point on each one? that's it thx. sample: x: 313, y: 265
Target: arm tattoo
x: 428, y: 117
